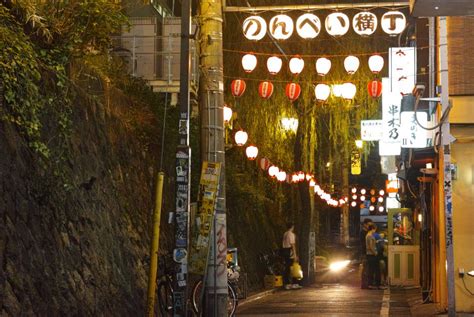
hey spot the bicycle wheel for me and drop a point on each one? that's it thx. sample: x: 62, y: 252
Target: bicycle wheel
x: 196, y: 298
x: 165, y: 298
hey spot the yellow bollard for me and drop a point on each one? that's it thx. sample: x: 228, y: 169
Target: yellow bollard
x: 155, y: 242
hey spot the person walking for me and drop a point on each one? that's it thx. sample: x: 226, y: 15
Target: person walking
x: 372, y: 259
x: 289, y: 255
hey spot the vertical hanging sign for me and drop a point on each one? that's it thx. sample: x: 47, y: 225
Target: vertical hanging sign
x: 356, y: 166
x: 391, y: 108
x: 208, y: 189
x: 402, y: 69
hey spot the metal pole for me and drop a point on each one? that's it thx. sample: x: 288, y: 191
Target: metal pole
x: 445, y: 152
x: 303, y: 7
x: 183, y: 170
x: 212, y: 148
x: 155, y: 244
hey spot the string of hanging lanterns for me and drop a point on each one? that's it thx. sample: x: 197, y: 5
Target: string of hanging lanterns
x: 308, y: 26
x: 251, y: 151
x: 323, y: 64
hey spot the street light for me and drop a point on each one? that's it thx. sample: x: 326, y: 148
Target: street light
x: 249, y: 62
x: 323, y: 66
x: 351, y: 64
x: 359, y: 144
x: 251, y: 152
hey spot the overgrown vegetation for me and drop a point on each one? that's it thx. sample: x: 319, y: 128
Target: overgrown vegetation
x: 38, y: 42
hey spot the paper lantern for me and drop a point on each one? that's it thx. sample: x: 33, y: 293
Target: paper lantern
x: 393, y: 22
x: 227, y: 114
x: 337, y: 24
x: 293, y: 91
x: 336, y: 90
x: 274, y: 64
x: 273, y: 171
x: 265, y: 89
x: 254, y: 28
x: 281, y: 176
x: 351, y: 64
x: 374, y: 88
x: 264, y: 163
x: 249, y: 62
x: 295, y: 178
x: 348, y: 91
x: 281, y: 27
x: 296, y: 65
x: 237, y: 87
x: 376, y: 63
x: 322, y: 92
x: 308, y: 26
x: 323, y: 65
x: 251, y: 152
x: 241, y: 137
x: 364, y: 23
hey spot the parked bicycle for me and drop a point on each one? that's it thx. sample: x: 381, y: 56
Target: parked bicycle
x: 165, y: 287
x: 233, y: 274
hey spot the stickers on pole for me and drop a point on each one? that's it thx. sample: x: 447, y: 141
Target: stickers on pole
x: 207, y: 197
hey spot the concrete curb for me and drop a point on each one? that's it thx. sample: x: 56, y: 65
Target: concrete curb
x: 257, y: 296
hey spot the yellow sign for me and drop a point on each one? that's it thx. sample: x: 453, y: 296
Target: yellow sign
x: 202, y: 224
x: 356, y: 165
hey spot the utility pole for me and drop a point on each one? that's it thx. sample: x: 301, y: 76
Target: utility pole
x: 211, y: 100
x: 445, y: 158
x: 183, y: 170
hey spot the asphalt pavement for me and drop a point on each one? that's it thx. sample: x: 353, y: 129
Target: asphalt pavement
x: 333, y: 299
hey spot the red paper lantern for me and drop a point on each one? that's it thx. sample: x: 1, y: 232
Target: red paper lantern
x: 264, y: 163
x: 265, y: 89
x: 238, y: 87
x: 293, y: 91
x: 375, y: 88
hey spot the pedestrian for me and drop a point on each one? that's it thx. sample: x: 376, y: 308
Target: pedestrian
x: 363, y: 256
x: 372, y: 259
x: 289, y: 255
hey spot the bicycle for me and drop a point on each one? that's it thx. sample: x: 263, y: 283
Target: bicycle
x: 165, y: 289
x: 232, y: 285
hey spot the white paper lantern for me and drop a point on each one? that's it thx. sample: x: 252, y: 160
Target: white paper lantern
x: 274, y: 64
x: 393, y: 22
x: 227, y: 114
x: 364, y: 23
x: 323, y: 65
x: 337, y: 24
x: 241, y: 137
x: 251, y: 152
x: 336, y: 90
x: 281, y: 176
x: 249, y: 62
x: 376, y: 63
x: 308, y: 26
x: 348, y: 91
x: 254, y: 28
x: 281, y: 27
x: 322, y: 92
x: 273, y: 171
x: 351, y: 64
x: 296, y: 65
